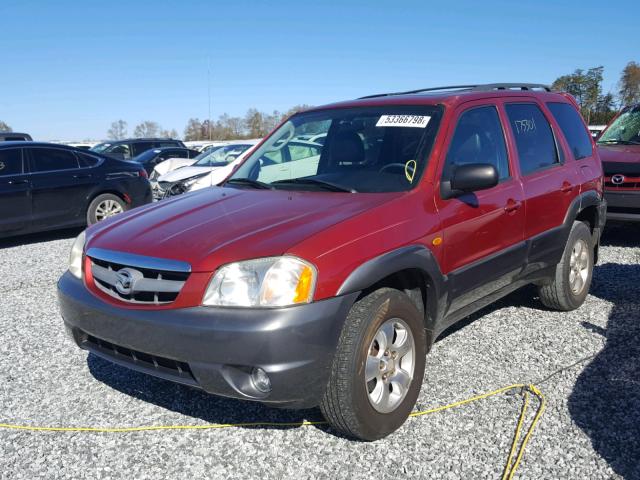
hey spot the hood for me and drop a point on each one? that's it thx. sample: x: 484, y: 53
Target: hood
x: 216, y: 177
x: 172, y: 164
x: 219, y: 225
x: 619, y: 153
x: 183, y: 173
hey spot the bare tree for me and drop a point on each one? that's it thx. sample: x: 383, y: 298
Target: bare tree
x: 118, y: 130
x: 629, y: 86
x: 4, y: 127
x: 169, y: 133
x: 146, y: 129
x: 193, y: 130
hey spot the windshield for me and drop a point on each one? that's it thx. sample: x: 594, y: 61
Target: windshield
x: 625, y: 129
x: 101, y: 147
x: 220, y: 156
x: 367, y: 149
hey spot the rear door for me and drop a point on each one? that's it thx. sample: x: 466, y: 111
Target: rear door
x: 483, y: 231
x: 59, y: 186
x: 549, y: 180
x: 579, y: 142
x: 15, y: 195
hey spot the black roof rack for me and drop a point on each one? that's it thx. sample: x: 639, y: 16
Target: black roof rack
x: 472, y: 88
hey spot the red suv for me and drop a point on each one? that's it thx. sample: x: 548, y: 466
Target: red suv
x: 324, y: 280
x: 619, y: 148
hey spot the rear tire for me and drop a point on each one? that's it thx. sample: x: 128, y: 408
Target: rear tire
x: 105, y: 206
x: 370, y: 410
x: 570, y: 285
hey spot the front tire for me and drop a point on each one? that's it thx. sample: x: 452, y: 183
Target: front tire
x: 104, y: 206
x: 378, y: 367
x: 570, y: 285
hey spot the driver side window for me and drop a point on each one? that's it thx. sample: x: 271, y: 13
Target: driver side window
x: 478, y: 138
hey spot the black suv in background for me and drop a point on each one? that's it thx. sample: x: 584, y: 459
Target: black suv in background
x: 151, y: 158
x: 14, y: 136
x: 132, y: 147
x: 45, y: 187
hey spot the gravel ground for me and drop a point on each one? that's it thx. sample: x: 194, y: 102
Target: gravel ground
x: 586, y: 362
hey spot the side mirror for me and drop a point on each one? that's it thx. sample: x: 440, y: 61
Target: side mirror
x: 471, y: 178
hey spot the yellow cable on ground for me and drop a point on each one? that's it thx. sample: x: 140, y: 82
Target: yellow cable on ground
x: 510, y: 467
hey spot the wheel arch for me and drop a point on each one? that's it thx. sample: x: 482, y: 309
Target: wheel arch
x: 588, y: 207
x: 412, y: 269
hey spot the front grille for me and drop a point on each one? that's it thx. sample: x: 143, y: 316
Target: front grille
x: 166, y: 367
x: 137, y: 279
x: 629, y: 183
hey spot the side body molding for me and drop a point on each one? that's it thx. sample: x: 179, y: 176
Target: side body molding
x: 416, y: 257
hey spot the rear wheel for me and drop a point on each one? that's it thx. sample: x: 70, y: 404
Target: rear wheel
x: 572, y: 279
x: 378, y: 367
x: 104, y: 206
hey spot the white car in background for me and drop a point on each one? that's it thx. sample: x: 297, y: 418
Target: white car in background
x: 180, y: 179
x: 298, y: 158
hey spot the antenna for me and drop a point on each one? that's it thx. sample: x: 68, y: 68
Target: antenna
x: 209, y: 95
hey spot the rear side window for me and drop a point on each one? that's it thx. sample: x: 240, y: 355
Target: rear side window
x: 573, y: 129
x: 478, y: 139
x: 87, y: 160
x: 140, y: 147
x: 534, y: 138
x: 10, y: 162
x: 48, y: 159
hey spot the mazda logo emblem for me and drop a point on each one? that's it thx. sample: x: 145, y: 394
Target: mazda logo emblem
x: 126, y: 279
x: 617, y: 179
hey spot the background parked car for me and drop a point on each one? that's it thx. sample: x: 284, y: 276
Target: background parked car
x: 14, y: 136
x: 153, y: 157
x: 183, y: 179
x: 619, y: 147
x: 45, y: 186
x: 126, y: 149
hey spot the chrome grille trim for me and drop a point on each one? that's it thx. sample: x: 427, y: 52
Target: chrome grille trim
x: 138, y: 261
x: 137, y: 279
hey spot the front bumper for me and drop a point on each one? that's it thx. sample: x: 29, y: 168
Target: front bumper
x: 623, y: 205
x: 220, y: 346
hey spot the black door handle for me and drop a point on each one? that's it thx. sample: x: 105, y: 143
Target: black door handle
x: 18, y: 182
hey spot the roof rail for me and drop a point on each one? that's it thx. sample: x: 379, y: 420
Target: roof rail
x: 472, y: 88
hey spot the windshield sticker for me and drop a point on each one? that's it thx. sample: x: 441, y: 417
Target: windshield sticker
x: 416, y: 121
x: 410, y: 170
x: 525, y: 125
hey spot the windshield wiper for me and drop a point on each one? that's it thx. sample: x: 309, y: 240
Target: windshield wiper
x: 249, y: 183
x: 334, y: 187
x: 620, y: 142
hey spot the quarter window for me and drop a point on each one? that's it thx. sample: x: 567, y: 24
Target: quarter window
x: 534, y: 138
x: 478, y: 138
x: 573, y: 129
x: 10, y: 162
x: 48, y: 159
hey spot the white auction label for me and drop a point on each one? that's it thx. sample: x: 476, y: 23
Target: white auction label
x: 416, y: 121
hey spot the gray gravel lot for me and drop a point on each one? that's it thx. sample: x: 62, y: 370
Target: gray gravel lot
x: 591, y: 428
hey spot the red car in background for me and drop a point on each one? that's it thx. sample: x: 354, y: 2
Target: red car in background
x: 619, y: 148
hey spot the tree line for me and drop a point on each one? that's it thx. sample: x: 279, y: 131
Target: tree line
x: 254, y: 124
x: 598, y: 107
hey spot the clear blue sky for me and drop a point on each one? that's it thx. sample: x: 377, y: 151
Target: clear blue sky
x: 69, y: 68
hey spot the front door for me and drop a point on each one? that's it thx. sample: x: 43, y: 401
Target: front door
x: 482, y: 231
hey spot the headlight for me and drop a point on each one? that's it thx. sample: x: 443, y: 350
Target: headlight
x: 75, y: 258
x: 264, y: 282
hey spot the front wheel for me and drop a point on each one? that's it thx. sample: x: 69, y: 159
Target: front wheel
x: 572, y: 279
x: 104, y: 206
x: 378, y: 367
